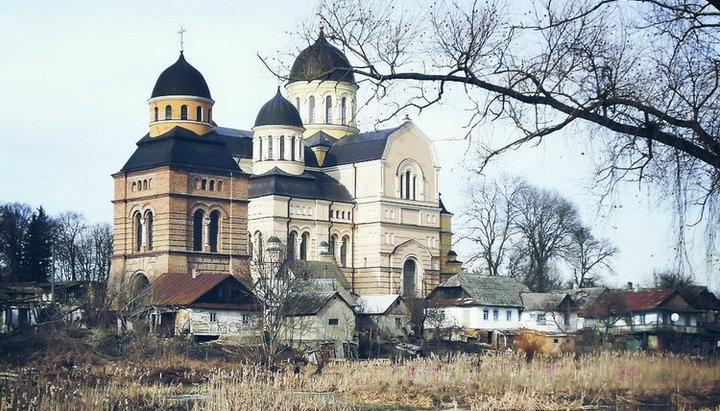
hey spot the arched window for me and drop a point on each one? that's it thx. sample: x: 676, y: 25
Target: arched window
x: 134, y: 186
x: 157, y: 113
x: 292, y: 242
x: 343, y: 251
x: 183, y: 112
x: 304, y: 245
x: 168, y: 112
x: 407, y: 185
x: 282, y: 147
x: 249, y: 245
x: 311, y: 109
x: 260, y: 148
x: 137, y: 227
x: 259, y: 246
x: 343, y: 110
x: 196, y: 183
x: 219, y: 186
x: 144, y: 184
x: 414, y: 187
x: 328, y: 110
x: 270, y: 148
x: 203, y: 184
x: 198, y: 113
x: 149, y: 230
x: 409, y: 278
x: 333, y: 244
x: 297, y: 103
x: 212, y: 185
x: 209, y: 115
x: 198, y: 230
x: 140, y: 286
x: 214, y: 230
x: 292, y: 148
x: 343, y: 215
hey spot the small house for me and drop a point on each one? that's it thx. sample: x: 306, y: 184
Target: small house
x: 548, y: 312
x: 383, y: 316
x: 205, y: 306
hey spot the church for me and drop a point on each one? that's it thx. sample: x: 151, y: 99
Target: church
x: 199, y: 198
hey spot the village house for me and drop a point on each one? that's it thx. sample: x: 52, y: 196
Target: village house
x: 553, y: 316
x: 205, y: 306
x: 485, y: 307
x: 654, y: 319
x: 318, y: 320
x: 700, y: 298
x: 383, y: 316
x: 19, y: 305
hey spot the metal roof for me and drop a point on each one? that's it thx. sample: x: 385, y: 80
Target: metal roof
x: 320, y: 61
x: 310, y: 185
x: 181, y: 79
x: 359, y: 147
x: 543, y: 301
x: 278, y: 111
x: 624, y: 301
x: 309, y: 303
x: 373, y: 304
x: 183, y: 289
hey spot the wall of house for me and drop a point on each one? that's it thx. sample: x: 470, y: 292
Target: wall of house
x: 554, y: 321
x: 232, y: 323
x: 473, y: 318
x: 312, y: 328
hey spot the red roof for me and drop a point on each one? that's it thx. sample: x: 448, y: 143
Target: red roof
x: 623, y: 301
x: 183, y: 289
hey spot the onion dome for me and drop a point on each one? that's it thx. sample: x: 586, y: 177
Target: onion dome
x: 181, y: 79
x: 278, y: 112
x: 320, y: 61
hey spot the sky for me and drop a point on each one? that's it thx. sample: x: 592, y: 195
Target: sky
x: 75, y: 77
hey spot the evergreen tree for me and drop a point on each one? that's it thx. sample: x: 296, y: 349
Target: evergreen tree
x: 37, y: 250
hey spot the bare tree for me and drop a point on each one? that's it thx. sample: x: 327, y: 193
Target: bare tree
x: 640, y: 77
x: 671, y: 279
x: 70, y: 226
x: 588, y: 256
x: 544, y: 222
x: 94, y: 252
x: 488, y: 220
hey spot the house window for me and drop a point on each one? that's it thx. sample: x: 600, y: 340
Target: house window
x: 155, y: 319
x: 541, y: 319
x: 642, y: 318
x: 333, y: 321
x: 508, y: 315
x: 183, y: 112
x: 496, y: 314
x: 566, y: 317
x: 556, y: 340
x: 486, y: 314
x: 398, y: 323
x: 245, y: 319
x: 213, y: 317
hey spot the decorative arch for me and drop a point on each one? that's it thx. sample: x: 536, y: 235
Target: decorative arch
x: 409, y: 178
x: 304, y: 245
x: 139, y: 284
x: 410, y: 277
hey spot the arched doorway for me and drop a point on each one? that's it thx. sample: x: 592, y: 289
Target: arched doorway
x: 409, y: 278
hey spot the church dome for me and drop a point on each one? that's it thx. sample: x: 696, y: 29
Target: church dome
x: 181, y: 79
x: 278, y: 112
x: 318, y: 59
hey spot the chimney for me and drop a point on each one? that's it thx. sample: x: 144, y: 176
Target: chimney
x: 629, y: 286
x: 195, y: 273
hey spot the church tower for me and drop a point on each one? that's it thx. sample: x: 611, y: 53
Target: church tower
x: 323, y: 91
x: 277, y: 138
x: 180, y: 202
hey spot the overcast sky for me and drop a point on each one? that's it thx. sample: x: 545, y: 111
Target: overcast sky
x: 75, y: 77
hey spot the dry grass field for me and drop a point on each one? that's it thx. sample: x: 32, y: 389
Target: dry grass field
x: 103, y: 372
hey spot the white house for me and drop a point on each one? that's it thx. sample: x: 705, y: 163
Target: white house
x: 548, y: 312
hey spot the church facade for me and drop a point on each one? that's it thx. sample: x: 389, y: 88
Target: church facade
x: 196, y: 197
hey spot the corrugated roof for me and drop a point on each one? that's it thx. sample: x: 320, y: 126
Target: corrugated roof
x: 375, y: 303
x: 183, y: 289
x: 488, y: 290
x: 542, y: 301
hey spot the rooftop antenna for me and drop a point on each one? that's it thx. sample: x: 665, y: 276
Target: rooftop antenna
x: 182, y: 42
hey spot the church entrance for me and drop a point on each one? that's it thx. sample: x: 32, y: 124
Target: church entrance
x: 409, y: 278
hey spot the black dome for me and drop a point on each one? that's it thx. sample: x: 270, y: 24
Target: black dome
x: 318, y: 59
x: 278, y: 112
x: 181, y: 79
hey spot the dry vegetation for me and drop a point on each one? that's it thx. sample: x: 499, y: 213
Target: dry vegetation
x: 83, y: 372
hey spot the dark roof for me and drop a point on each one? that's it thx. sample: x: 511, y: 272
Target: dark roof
x: 485, y: 290
x: 358, y: 147
x: 584, y: 298
x: 698, y: 296
x: 543, y: 301
x: 310, y: 184
x: 183, y: 148
x: 624, y: 301
x: 309, y: 303
x: 443, y: 210
x: 181, y: 79
x: 321, y: 270
x: 320, y: 138
x: 237, y: 142
x: 278, y: 111
x: 182, y: 288
x: 321, y: 61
